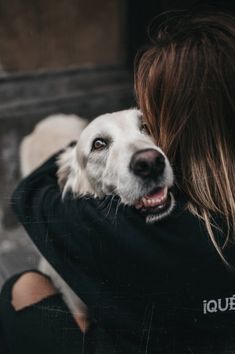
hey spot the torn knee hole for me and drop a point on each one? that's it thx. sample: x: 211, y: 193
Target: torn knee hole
x: 30, y: 289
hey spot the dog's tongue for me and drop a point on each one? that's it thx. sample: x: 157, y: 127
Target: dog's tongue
x: 156, y: 195
x: 152, y: 200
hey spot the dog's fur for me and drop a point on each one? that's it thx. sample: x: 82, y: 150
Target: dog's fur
x: 49, y: 136
x: 84, y: 170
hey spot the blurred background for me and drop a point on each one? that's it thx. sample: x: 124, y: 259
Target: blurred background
x: 62, y: 56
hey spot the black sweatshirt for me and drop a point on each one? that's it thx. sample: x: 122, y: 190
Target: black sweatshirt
x: 151, y: 287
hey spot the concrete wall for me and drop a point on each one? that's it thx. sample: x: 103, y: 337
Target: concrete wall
x: 61, y: 33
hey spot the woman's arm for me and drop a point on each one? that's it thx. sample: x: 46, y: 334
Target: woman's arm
x: 97, y: 252
x: 63, y: 230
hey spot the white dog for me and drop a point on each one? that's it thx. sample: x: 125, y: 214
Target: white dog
x: 114, y: 155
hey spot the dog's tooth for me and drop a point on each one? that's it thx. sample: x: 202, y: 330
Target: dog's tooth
x: 151, y: 202
x: 165, y: 191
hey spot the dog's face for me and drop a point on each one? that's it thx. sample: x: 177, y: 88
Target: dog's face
x: 116, y: 156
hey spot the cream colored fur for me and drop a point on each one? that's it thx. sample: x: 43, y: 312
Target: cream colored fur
x: 50, y: 135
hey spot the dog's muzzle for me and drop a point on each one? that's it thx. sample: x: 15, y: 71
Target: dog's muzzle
x: 150, y: 166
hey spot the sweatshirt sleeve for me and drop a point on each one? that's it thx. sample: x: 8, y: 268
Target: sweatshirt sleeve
x: 64, y: 231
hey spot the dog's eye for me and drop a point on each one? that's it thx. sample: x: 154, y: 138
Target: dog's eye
x: 99, y: 144
x: 144, y: 128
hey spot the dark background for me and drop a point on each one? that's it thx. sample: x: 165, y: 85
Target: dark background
x: 140, y: 13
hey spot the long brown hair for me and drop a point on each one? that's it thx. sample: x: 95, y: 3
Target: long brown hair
x: 185, y: 85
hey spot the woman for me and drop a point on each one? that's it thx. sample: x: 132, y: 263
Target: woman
x: 162, y: 288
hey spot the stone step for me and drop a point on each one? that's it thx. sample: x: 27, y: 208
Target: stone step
x: 89, y: 91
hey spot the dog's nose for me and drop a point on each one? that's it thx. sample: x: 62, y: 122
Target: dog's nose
x: 148, y: 163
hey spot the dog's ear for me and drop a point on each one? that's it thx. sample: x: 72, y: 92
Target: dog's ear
x: 65, y: 162
x: 63, y: 175
x: 71, y: 177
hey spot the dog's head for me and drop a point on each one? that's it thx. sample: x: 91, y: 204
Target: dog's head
x: 116, y: 156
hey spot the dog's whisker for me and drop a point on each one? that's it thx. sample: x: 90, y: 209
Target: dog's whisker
x: 117, y: 207
x: 100, y: 206
x: 109, y: 206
